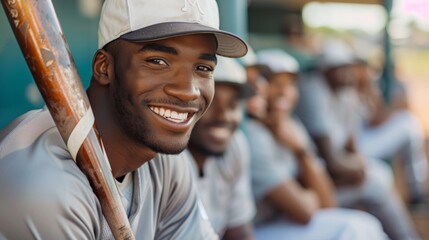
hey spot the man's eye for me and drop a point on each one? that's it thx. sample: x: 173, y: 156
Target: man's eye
x: 204, y: 68
x: 157, y: 61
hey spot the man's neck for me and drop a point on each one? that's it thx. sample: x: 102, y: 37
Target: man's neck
x: 125, y: 157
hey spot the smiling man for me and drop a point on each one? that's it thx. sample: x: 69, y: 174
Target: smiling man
x: 152, y: 80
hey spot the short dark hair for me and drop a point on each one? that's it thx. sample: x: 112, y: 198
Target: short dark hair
x: 112, y: 47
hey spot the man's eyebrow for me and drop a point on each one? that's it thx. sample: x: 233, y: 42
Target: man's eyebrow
x: 165, y: 49
x: 208, y: 57
x: 158, y: 48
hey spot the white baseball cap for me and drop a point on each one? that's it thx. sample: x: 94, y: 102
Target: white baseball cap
x: 336, y: 53
x: 278, y: 61
x: 148, y: 20
x: 249, y: 59
x: 229, y: 71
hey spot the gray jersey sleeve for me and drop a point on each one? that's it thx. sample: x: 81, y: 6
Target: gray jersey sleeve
x: 183, y: 216
x: 313, y: 107
x: 43, y: 195
x: 267, y: 169
x: 241, y: 208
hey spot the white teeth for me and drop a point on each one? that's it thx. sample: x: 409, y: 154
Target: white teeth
x: 170, y: 115
x: 167, y: 113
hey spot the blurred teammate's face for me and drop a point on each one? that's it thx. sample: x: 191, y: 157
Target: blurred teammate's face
x: 256, y: 105
x: 214, y: 130
x: 282, y: 92
x: 342, y: 76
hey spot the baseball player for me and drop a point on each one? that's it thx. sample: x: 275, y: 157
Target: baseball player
x: 295, y: 196
x: 152, y: 80
x: 389, y: 130
x: 219, y: 156
x: 328, y: 109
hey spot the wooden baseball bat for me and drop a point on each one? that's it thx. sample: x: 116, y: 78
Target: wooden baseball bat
x: 39, y: 35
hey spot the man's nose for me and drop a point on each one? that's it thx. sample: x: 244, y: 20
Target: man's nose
x: 183, y: 85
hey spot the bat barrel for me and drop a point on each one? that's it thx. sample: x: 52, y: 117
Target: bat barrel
x: 46, y: 52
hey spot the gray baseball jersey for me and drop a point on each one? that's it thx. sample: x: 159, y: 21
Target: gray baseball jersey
x: 271, y: 164
x: 44, y: 195
x: 324, y: 112
x: 225, y: 187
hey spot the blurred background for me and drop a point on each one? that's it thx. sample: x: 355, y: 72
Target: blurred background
x: 392, y: 35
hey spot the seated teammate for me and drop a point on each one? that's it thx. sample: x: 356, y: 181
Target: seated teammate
x: 219, y: 156
x: 294, y: 194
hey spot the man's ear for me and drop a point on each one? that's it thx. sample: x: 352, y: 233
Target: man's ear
x: 102, y: 67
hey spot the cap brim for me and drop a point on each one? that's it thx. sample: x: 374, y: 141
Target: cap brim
x: 229, y: 45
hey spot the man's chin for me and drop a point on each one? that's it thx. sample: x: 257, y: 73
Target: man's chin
x: 166, y: 148
x: 171, y: 151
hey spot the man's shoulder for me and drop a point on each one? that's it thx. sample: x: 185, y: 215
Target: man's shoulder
x: 35, y: 164
x: 167, y: 170
x: 258, y: 136
x: 24, y: 131
x: 166, y: 163
x: 33, y: 142
x: 253, y: 126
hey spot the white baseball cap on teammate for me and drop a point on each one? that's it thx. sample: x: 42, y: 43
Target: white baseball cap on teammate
x: 278, y: 61
x: 229, y: 71
x: 149, y: 20
x: 336, y: 53
x: 249, y: 59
